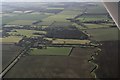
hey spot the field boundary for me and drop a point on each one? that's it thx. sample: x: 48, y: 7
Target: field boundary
x: 70, y: 51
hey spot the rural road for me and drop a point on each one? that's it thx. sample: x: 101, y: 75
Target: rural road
x: 13, y: 63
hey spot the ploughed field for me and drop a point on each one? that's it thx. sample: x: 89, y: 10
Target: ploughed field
x: 9, y: 52
x: 108, y: 60
x: 74, y: 66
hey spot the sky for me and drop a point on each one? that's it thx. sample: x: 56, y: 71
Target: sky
x: 59, y: 0
x: 48, y: 0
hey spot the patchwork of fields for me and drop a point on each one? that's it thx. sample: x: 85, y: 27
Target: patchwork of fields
x: 45, y: 31
x: 74, y: 66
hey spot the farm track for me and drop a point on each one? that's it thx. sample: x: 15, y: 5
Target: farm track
x: 13, y: 62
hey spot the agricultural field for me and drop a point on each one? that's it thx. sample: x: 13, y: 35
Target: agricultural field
x: 51, y: 51
x: 57, y: 39
x: 99, y: 8
x: 93, y: 26
x: 63, y: 25
x: 74, y: 66
x: 68, y: 41
x: 11, y: 39
x: 79, y: 27
x: 9, y: 52
x: 95, y: 17
x: 21, y: 22
x: 44, y: 23
x: 71, y: 12
x: 63, y: 16
x: 104, y: 34
x: 108, y: 55
x: 28, y: 33
x: 57, y: 18
x: 14, y: 17
x: 92, y: 17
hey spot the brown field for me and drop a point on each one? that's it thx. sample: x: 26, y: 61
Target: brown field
x: 9, y: 52
x: 108, y: 60
x: 74, y: 66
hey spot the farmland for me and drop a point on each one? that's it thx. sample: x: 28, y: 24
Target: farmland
x: 9, y: 52
x: 28, y: 33
x: 11, y: 39
x: 58, y: 18
x: 62, y: 16
x: 74, y: 66
x: 95, y: 26
x: 22, y: 22
x: 93, y: 17
x: 108, y: 55
x: 30, y: 17
x: 68, y: 41
x: 60, y: 40
x: 104, y: 34
x: 51, y: 51
x: 99, y: 8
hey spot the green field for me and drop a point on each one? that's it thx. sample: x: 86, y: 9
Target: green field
x: 13, y: 17
x: 104, y: 34
x: 97, y: 9
x: 58, y: 18
x: 21, y: 22
x: 91, y: 26
x: 10, y: 39
x: 27, y: 33
x: 93, y: 17
x: 83, y: 19
x: 70, y: 12
x: 62, y: 16
x: 51, y: 51
x: 44, y: 23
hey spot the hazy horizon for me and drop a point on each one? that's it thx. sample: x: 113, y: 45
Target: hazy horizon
x: 52, y: 1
